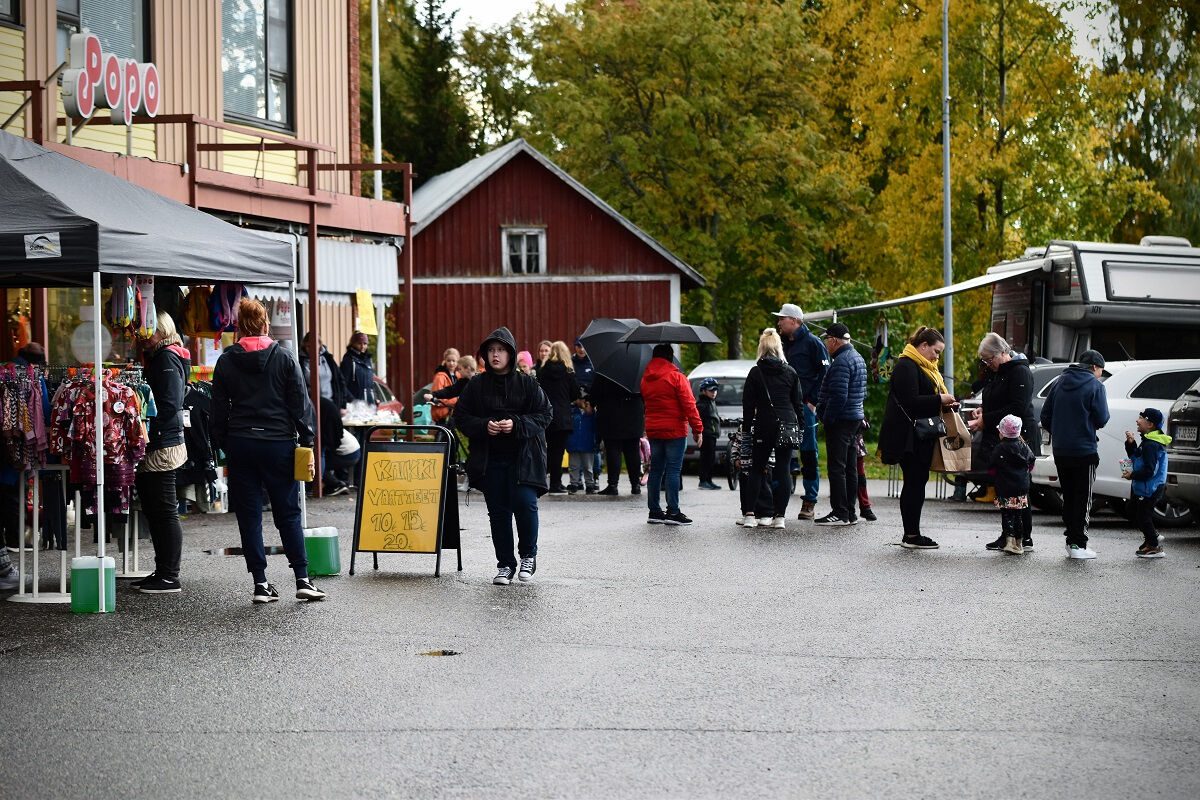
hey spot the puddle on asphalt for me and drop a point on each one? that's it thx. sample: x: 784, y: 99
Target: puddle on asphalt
x: 273, y: 550
x: 441, y: 653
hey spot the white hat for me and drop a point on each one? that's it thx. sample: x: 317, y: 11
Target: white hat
x: 790, y: 310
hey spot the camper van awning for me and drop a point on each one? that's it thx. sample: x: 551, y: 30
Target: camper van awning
x: 1000, y: 274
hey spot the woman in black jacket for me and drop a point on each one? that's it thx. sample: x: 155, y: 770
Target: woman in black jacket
x: 771, y: 398
x: 358, y: 370
x: 505, y: 414
x: 620, y: 423
x: 168, y: 366
x: 917, y: 391
x: 259, y: 410
x: 1008, y: 390
x: 557, y: 379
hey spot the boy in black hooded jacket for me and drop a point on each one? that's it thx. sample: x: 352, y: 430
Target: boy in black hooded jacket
x: 504, y: 412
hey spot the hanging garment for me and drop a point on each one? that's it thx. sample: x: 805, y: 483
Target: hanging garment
x: 147, y: 315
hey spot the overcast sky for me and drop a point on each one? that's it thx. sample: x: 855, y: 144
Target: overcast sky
x: 486, y: 13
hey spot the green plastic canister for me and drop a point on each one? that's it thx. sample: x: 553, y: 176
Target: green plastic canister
x: 321, y: 545
x: 85, y: 589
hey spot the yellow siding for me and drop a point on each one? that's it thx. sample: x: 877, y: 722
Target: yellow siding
x: 186, y: 45
x: 279, y: 165
x: 12, y: 68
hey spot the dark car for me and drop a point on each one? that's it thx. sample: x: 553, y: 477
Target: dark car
x: 1183, y: 454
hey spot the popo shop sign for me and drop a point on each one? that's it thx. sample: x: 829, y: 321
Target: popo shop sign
x: 95, y: 79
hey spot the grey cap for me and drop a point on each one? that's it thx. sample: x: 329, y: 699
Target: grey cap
x: 1092, y: 359
x: 790, y: 310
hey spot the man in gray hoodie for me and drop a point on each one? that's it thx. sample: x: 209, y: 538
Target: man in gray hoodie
x: 1075, y: 409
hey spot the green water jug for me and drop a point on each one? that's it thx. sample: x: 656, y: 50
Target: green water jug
x: 85, y: 588
x: 321, y: 545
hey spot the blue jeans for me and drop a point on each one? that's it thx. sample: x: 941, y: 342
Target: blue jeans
x: 809, y: 474
x: 507, y: 499
x: 666, y: 459
x: 254, y: 465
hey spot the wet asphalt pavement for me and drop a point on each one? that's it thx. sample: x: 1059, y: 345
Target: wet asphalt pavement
x: 647, y: 661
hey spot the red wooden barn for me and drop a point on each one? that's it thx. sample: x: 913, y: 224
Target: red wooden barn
x: 511, y: 239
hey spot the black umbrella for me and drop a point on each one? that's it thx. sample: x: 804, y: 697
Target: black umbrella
x: 670, y: 332
x: 622, y: 364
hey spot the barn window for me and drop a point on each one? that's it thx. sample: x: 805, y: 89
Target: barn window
x: 524, y: 251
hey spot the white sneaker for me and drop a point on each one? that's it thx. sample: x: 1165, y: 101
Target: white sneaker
x: 1075, y: 551
x: 528, y: 567
x: 778, y: 522
x: 749, y: 521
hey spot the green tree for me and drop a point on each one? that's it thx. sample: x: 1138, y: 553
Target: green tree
x: 1153, y: 46
x: 1029, y: 138
x: 698, y: 121
x: 496, y: 80
x: 425, y: 117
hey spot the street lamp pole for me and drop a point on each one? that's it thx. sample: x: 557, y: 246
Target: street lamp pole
x: 947, y: 273
x: 376, y: 130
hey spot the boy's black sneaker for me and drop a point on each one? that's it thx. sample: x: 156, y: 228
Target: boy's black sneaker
x: 1027, y: 544
x: 832, y: 520
x: 557, y: 490
x: 657, y: 518
x: 869, y: 515
x: 609, y: 491
x: 918, y: 543
x: 306, y: 591
x: 996, y: 545
x: 637, y: 489
x: 265, y: 593
x: 592, y: 490
x: 677, y: 518
x: 157, y: 585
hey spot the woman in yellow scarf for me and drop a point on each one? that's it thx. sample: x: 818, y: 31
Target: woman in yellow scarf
x: 917, y: 391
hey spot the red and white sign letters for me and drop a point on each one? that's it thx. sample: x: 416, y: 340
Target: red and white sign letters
x: 95, y: 79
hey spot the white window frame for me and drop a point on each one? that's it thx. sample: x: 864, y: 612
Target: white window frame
x: 523, y: 231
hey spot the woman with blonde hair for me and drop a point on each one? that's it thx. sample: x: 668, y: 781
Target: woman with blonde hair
x: 444, y: 377
x: 167, y: 367
x: 556, y: 376
x: 543, y: 353
x: 772, y: 407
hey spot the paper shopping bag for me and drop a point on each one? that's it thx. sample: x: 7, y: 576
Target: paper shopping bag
x: 953, y: 451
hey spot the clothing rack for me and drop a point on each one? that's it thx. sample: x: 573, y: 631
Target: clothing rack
x: 34, y: 595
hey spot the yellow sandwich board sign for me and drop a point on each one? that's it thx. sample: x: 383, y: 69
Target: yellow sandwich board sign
x: 404, y: 488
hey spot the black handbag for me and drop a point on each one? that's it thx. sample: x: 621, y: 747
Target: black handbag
x: 789, y: 434
x: 925, y: 429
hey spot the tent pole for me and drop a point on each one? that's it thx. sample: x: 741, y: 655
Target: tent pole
x: 314, y: 345
x: 98, y: 376
x: 410, y: 368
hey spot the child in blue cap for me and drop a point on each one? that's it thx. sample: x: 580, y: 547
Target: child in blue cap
x: 1148, y: 471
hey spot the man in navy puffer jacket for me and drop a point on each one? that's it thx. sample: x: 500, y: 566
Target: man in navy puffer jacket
x: 840, y: 408
x: 1075, y: 409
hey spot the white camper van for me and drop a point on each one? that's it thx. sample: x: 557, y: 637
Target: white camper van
x: 1126, y: 301
x: 1129, y: 301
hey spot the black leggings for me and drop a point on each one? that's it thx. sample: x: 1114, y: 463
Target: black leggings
x: 775, y: 481
x: 556, y: 445
x: 1017, y: 522
x: 915, y: 468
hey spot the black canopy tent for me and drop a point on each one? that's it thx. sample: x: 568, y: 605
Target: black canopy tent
x: 63, y: 223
